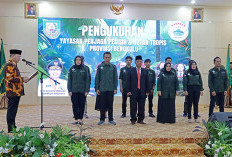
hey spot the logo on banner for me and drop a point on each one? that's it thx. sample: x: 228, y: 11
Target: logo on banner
x: 51, y: 28
x: 178, y: 31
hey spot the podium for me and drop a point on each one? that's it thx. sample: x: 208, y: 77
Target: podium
x: 228, y: 98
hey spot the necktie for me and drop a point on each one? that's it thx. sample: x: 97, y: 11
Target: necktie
x: 138, y: 79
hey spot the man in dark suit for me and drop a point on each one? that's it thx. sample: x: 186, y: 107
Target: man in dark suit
x: 31, y: 11
x: 197, y: 15
x: 138, y: 88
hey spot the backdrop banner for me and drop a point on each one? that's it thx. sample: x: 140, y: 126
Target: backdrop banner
x: 61, y: 39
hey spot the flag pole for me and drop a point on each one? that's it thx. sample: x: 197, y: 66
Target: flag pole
x: 4, y: 100
x: 229, y: 93
x: 228, y: 101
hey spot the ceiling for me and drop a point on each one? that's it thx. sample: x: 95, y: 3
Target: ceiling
x: 164, y: 2
x: 216, y: 3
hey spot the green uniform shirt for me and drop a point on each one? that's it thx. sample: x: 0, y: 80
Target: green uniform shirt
x: 191, y: 80
x: 78, y: 79
x: 172, y: 70
x: 152, y: 78
x: 106, y: 78
x: 168, y: 84
x: 218, y: 80
x: 123, y: 76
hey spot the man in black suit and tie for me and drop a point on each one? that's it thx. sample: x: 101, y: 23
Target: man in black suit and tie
x: 138, y: 88
x: 31, y: 11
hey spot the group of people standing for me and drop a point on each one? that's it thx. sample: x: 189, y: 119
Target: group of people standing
x: 139, y: 83
x: 135, y: 82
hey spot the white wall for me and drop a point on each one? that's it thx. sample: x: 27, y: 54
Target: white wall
x: 209, y: 39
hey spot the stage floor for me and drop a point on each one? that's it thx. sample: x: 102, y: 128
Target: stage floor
x: 29, y: 115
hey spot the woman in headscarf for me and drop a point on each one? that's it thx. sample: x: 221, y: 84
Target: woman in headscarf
x: 193, y: 88
x: 78, y: 88
x: 167, y: 87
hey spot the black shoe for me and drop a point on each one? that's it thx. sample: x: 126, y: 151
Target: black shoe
x: 85, y: 115
x: 152, y: 115
x: 141, y: 122
x: 10, y: 130
x: 79, y: 122
x: 123, y: 116
x: 133, y: 122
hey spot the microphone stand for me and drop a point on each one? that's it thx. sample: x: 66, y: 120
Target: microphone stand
x: 41, y: 82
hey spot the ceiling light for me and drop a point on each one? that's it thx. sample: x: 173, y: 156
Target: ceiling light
x: 44, y: 8
x: 121, y: 0
x: 193, y: 1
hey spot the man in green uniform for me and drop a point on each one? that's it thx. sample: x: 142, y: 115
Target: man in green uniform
x: 123, y: 83
x: 218, y: 84
x: 106, y: 86
x: 152, y: 83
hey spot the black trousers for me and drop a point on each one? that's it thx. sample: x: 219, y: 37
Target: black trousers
x: 150, y: 106
x: 85, y: 111
x: 186, y: 105
x: 13, y: 104
x: 98, y: 103
x: 107, y: 99
x: 219, y: 100
x: 137, y: 103
x: 193, y: 99
x: 124, y: 105
x: 78, y: 104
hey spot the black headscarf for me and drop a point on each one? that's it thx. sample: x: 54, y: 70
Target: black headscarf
x: 190, y: 61
x: 78, y: 66
x: 193, y: 71
x: 165, y: 65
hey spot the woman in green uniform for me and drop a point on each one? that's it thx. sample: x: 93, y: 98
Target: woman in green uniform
x: 193, y: 88
x: 167, y: 87
x: 78, y: 88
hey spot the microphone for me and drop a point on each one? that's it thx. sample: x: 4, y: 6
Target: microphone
x: 27, y: 62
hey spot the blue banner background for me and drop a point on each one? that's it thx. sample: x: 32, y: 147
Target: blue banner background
x: 50, y: 47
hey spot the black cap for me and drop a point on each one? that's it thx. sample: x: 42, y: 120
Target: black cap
x: 147, y: 60
x: 138, y: 57
x: 14, y: 51
x: 55, y: 65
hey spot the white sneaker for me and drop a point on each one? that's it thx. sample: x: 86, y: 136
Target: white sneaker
x: 196, y: 120
x: 190, y: 120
